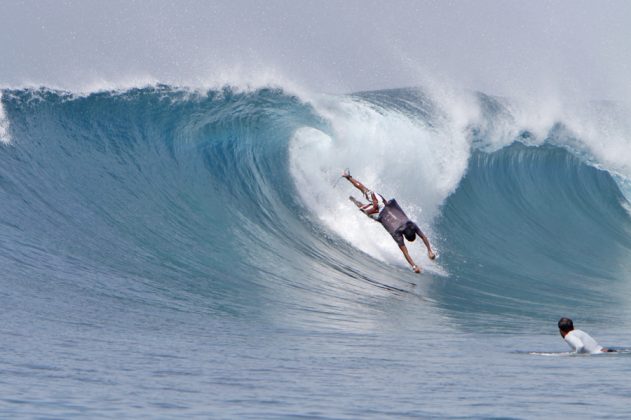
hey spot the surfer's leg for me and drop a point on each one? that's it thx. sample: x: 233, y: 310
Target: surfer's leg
x: 356, y: 202
x: 361, y: 187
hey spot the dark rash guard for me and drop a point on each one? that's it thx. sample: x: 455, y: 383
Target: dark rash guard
x: 396, y: 222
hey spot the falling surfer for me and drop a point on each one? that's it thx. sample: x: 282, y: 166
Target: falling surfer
x: 392, y: 218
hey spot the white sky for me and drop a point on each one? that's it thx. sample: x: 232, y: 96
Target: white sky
x: 501, y: 47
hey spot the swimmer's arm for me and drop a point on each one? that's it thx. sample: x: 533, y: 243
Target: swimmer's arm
x: 575, y: 343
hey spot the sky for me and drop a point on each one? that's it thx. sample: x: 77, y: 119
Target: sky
x: 500, y: 47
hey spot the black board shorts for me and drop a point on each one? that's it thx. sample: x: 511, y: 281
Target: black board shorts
x: 408, y: 228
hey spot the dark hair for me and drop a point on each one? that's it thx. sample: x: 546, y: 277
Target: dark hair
x: 410, y: 234
x: 566, y: 324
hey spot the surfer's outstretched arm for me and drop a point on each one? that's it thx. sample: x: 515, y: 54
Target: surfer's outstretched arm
x: 409, y: 259
x: 430, y: 253
x: 421, y: 235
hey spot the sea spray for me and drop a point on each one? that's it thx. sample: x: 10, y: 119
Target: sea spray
x: 395, y: 153
x: 4, y: 124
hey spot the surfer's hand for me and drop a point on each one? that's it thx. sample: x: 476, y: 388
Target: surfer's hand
x: 416, y: 269
x: 431, y: 255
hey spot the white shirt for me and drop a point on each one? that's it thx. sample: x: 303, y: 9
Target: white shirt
x: 581, y: 342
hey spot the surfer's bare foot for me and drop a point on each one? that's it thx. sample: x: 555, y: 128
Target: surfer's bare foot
x: 416, y: 269
x: 431, y: 255
x: 346, y: 174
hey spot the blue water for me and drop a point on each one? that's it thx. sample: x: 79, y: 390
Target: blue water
x: 167, y: 253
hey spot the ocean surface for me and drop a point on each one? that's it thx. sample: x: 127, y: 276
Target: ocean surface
x: 177, y: 253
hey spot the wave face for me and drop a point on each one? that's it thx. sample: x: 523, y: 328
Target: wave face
x: 536, y: 231
x: 226, y: 202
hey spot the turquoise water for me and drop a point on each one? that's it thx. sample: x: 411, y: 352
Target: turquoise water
x: 166, y: 253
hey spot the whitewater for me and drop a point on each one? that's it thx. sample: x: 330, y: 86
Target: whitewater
x: 176, y: 252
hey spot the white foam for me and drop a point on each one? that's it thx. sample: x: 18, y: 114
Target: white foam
x: 392, y: 153
x: 625, y: 188
x: 401, y: 156
x: 4, y: 125
x: 597, y: 132
x: 106, y: 85
x: 605, y: 136
x: 550, y: 354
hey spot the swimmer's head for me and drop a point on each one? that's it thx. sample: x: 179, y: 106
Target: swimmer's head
x: 565, y: 326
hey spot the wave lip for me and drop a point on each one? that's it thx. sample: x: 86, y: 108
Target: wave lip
x: 4, y: 124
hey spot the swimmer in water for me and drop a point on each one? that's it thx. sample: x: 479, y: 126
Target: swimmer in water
x: 578, y: 340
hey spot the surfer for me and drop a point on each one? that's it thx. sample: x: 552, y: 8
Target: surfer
x: 578, y: 340
x: 392, y: 218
